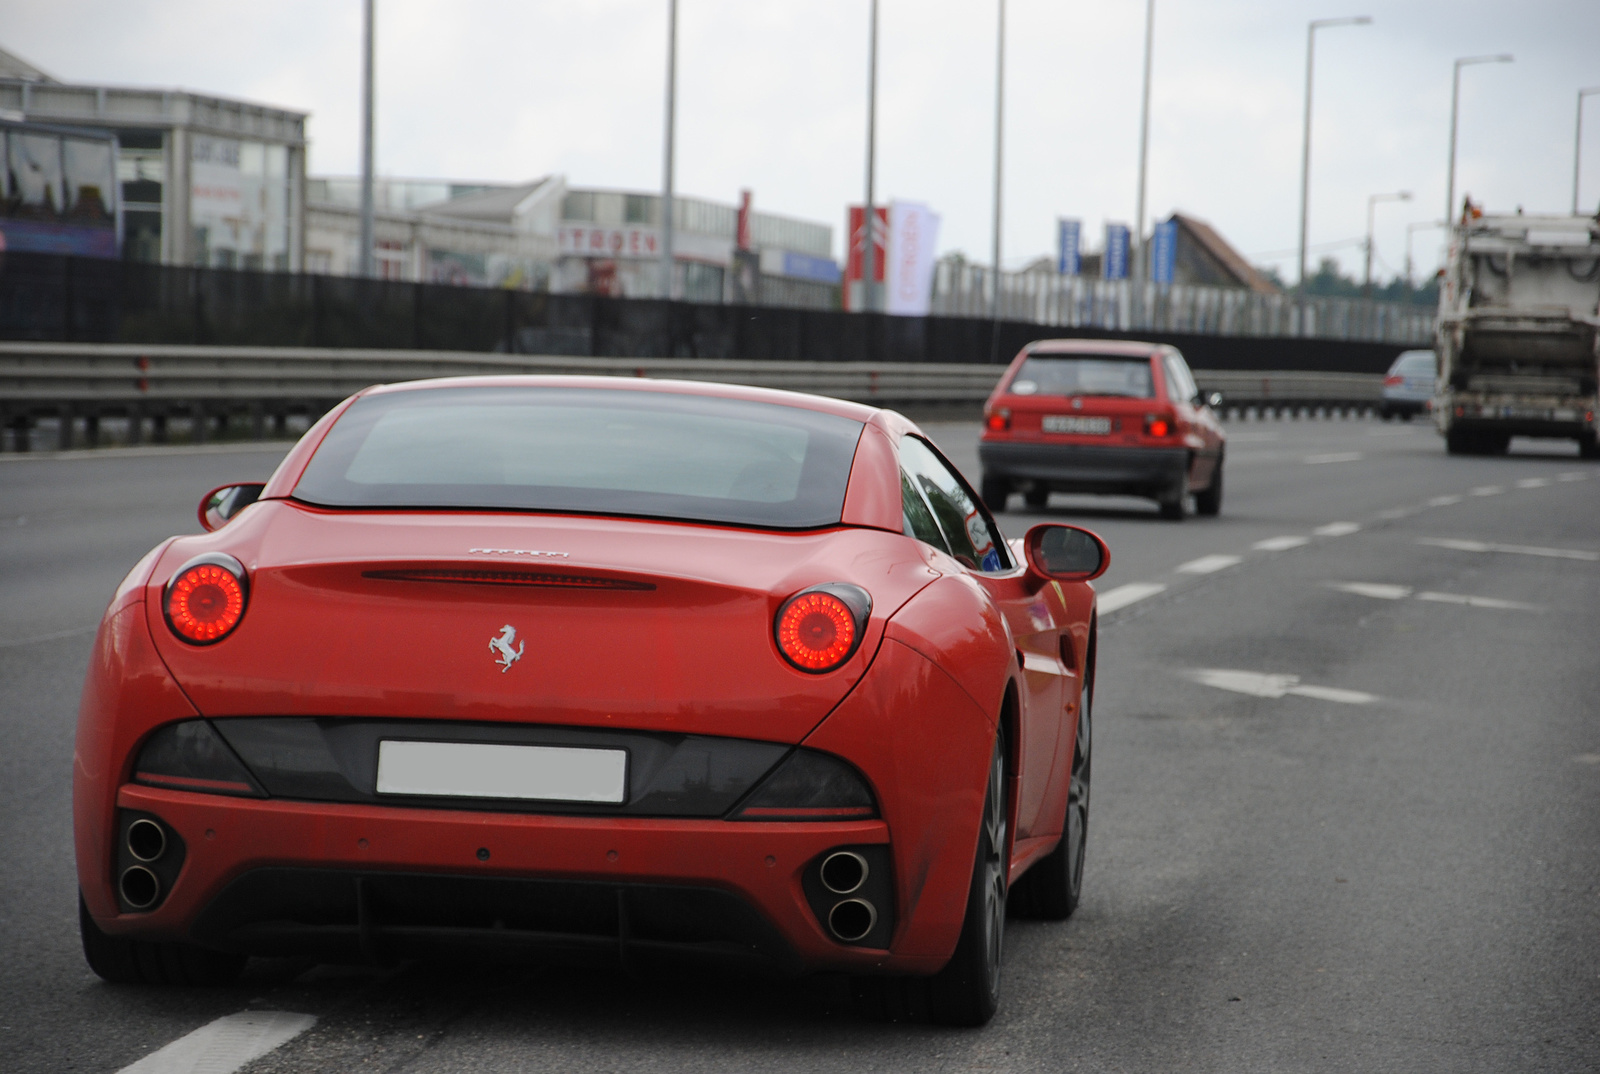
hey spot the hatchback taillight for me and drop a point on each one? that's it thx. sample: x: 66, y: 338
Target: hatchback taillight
x: 206, y: 599
x: 1157, y: 425
x: 997, y: 421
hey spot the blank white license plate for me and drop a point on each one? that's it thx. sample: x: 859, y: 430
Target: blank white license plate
x: 482, y: 770
x: 1067, y: 423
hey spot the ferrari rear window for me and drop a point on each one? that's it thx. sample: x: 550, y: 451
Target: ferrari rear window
x: 587, y: 451
x: 1084, y: 374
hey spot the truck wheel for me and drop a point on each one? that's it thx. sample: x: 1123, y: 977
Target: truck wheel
x: 1457, y: 442
x: 1588, y: 447
x: 1495, y: 443
x: 994, y: 491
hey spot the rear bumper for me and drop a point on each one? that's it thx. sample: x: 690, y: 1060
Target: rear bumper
x: 352, y: 882
x: 1085, y: 467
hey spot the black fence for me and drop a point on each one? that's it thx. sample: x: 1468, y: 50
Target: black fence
x: 48, y: 297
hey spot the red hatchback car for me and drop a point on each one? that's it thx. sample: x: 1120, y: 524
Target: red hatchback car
x: 545, y: 666
x: 1105, y: 417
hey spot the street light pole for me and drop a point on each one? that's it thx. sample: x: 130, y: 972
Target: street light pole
x: 1372, y: 205
x: 1577, y: 144
x: 868, y: 217
x: 668, y: 139
x: 365, y: 266
x: 1455, y: 111
x: 1140, y: 270
x: 1305, y: 141
x: 999, y: 137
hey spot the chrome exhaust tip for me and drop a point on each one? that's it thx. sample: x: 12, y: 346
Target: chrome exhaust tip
x: 147, y: 840
x: 852, y: 919
x: 843, y: 872
x: 140, y: 888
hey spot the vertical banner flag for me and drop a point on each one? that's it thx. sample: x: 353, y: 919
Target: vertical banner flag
x: 913, y: 234
x: 1114, y: 265
x: 1164, y: 251
x: 852, y: 265
x: 1069, y: 233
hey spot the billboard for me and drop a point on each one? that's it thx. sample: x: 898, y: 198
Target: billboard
x: 913, y: 236
x: 1114, y: 266
x: 1069, y: 242
x: 1164, y: 251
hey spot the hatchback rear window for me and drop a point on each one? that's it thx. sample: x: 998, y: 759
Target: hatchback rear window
x: 587, y: 451
x: 1084, y: 375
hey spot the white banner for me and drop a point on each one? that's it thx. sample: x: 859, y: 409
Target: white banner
x: 913, y: 237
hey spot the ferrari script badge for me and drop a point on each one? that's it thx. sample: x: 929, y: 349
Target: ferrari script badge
x: 505, y: 655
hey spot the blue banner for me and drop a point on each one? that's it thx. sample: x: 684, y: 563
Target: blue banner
x: 1164, y: 251
x: 1114, y: 265
x: 1069, y: 260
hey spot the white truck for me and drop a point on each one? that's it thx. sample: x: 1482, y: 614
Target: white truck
x: 1519, y: 321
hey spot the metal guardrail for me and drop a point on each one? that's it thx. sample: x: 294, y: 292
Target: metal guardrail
x: 77, y: 385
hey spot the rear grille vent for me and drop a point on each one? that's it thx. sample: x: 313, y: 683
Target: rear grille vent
x: 525, y: 578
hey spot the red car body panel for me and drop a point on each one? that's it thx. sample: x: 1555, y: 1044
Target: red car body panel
x: 949, y: 656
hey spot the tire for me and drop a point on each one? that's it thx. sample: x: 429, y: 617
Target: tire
x: 1037, y: 497
x: 1209, y: 502
x: 1052, y: 887
x: 1457, y: 442
x: 1495, y: 443
x: 144, y: 962
x: 967, y: 991
x: 1172, y: 503
x: 993, y: 491
x: 1588, y: 447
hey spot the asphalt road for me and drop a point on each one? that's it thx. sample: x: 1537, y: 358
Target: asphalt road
x: 1346, y: 805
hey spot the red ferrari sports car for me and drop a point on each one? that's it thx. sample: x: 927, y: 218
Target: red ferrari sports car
x: 568, y: 666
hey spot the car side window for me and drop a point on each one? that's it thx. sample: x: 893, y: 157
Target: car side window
x: 970, y: 534
x: 1180, y: 385
x: 918, y: 519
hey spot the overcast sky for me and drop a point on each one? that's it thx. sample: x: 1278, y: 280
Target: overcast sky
x: 772, y: 96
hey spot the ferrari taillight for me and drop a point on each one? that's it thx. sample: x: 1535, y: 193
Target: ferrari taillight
x: 205, y: 600
x: 819, y: 628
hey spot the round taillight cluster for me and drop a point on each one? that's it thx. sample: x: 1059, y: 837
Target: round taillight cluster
x: 819, y: 628
x: 205, y: 600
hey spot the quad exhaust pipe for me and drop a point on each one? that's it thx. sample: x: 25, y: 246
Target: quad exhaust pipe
x: 140, y: 888
x: 147, y: 840
x: 852, y: 919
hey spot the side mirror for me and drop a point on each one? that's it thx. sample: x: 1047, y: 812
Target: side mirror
x: 1214, y: 400
x: 221, y: 504
x: 1065, y: 553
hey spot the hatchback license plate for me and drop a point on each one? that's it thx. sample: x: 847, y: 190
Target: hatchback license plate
x: 1068, y: 423
x: 485, y: 770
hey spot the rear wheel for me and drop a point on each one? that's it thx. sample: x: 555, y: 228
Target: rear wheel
x: 967, y: 991
x: 1457, y: 442
x: 1053, y: 885
x: 1209, y: 502
x: 1588, y: 447
x: 994, y: 491
x: 146, y: 962
x: 1037, y: 497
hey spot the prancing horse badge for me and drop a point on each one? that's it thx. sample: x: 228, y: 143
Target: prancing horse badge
x: 501, y: 645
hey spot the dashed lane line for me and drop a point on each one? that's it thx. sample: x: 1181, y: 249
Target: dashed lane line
x: 1386, y: 591
x: 1333, y: 456
x: 1280, y: 544
x: 1209, y: 564
x: 1533, y: 482
x: 1512, y: 549
x: 1571, y: 475
x: 1123, y: 595
x: 1337, y: 529
x: 225, y: 1045
x: 1444, y: 501
x: 1488, y: 490
x: 1258, y: 684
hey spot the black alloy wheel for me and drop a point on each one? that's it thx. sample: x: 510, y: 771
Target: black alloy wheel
x: 967, y: 991
x: 1209, y: 501
x: 1054, y: 885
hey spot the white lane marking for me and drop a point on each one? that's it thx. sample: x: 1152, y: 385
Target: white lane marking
x: 1378, y: 590
x: 1131, y: 593
x: 1514, y: 549
x: 1479, y: 602
x: 1336, y: 529
x: 1257, y: 684
x: 1488, y: 490
x: 1533, y: 483
x: 1395, y: 512
x: 1588, y: 758
x: 1444, y: 501
x: 225, y: 1045
x: 1280, y: 544
x: 1571, y: 475
x: 1333, y: 456
x: 1209, y: 564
